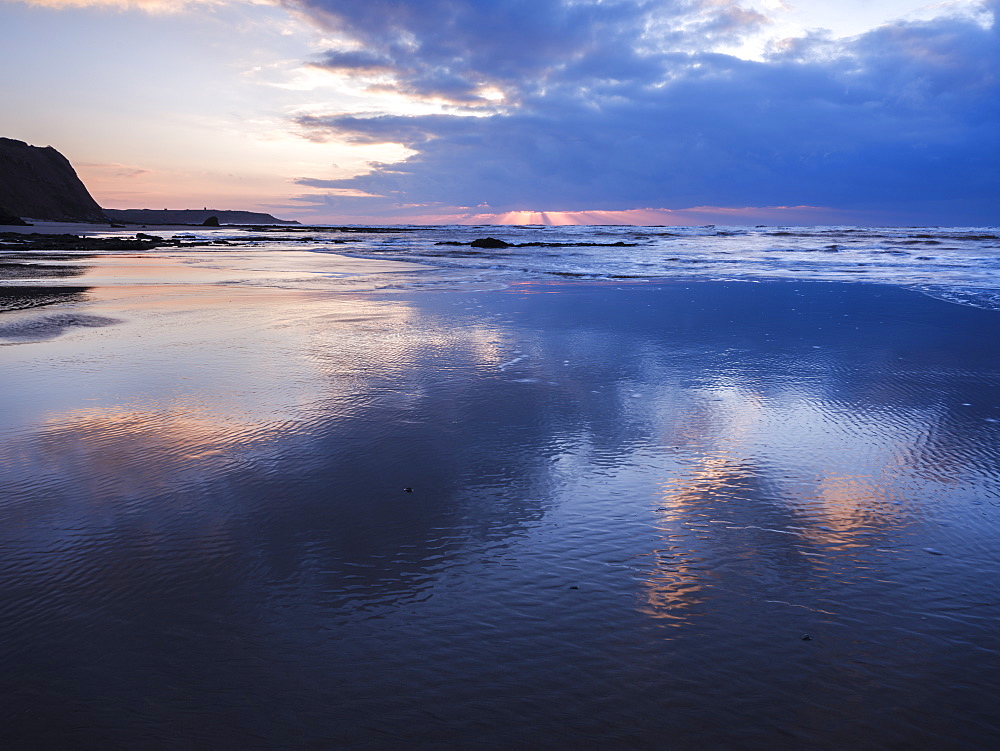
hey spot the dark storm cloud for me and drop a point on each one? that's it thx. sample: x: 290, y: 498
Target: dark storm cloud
x: 612, y: 106
x: 454, y: 48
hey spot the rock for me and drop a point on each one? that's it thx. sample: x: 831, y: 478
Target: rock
x: 212, y: 221
x: 489, y: 242
x: 36, y: 241
x: 9, y: 219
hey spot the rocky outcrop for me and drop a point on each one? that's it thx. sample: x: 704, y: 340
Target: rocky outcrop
x: 492, y: 242
x: 40, y: 183
x: 9, y: 219
x: 489, y: 242
x: 191, y: 216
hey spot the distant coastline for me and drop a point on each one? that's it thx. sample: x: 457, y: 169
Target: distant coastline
x: 191, y: 216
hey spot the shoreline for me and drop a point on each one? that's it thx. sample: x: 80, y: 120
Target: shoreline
x: 276, y: 264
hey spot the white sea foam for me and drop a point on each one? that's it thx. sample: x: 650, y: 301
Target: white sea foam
x: 960, y: 264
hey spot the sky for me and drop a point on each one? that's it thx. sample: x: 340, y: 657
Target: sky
x: 519, y: 111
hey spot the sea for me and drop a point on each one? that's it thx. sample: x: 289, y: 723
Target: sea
x: 958, y: 264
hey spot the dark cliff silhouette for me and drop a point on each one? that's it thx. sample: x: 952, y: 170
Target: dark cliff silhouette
x: 40, y: 183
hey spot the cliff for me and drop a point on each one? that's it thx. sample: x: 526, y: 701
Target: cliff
x: 190, y: 216
x: 40, y: 183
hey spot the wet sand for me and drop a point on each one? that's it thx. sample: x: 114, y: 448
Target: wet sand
x: 242, y: 509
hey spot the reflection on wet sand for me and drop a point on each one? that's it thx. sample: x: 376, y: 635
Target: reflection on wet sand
x: 274, y: 267
x: 788, y: 476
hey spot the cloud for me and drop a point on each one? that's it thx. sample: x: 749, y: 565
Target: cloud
x: 114, y: 169
x: 151, y: 6
x: 622, y: 104
x: 456, y: 50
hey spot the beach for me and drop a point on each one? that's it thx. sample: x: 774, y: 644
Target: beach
x: 282, y: 497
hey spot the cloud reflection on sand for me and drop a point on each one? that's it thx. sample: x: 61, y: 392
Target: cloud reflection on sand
x: 606, y: 483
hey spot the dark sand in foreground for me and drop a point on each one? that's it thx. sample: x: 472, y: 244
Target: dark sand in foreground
x: 558, y: 515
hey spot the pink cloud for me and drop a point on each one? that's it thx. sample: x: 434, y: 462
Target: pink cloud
x: 113, y: 169
x: 159, y: 6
